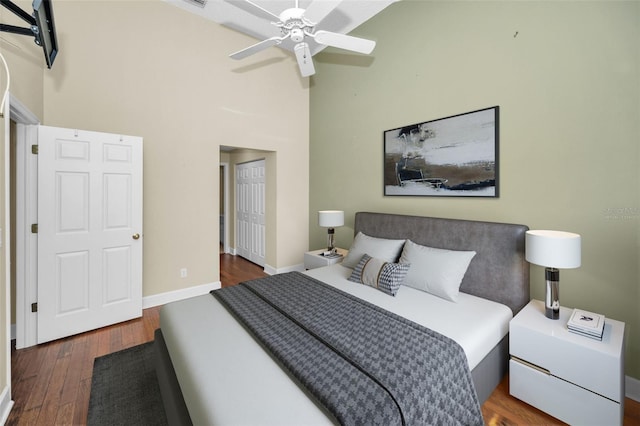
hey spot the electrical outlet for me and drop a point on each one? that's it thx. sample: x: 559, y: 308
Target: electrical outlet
x: 183, y: 273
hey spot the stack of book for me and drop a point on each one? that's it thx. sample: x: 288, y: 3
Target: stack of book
x: 330, y: 254
x: 586, y: 324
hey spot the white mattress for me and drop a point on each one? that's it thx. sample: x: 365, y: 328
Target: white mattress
x: 227, y: 378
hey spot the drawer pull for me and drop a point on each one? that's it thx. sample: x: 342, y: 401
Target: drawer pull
x: 528, y: 364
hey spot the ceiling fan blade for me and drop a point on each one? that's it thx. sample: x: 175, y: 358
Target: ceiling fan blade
x: 241, y: 54
x: 319, y: 9
x: 303, y: 55
x: 254, y: 9
x: 342, y: 41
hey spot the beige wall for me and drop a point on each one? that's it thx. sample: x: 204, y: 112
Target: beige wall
x: 566, y: 77
x: 150, y: 69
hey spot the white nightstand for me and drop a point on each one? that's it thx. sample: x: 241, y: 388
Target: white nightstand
x: 575, y: 378
x: 315, y: 259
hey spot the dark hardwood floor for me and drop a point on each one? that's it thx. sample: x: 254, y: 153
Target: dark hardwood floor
x: 51, y: 382
x: 235, y: 269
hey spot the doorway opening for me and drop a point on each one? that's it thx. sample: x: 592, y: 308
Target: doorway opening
x: 20, y: 215
x: 247, y: 193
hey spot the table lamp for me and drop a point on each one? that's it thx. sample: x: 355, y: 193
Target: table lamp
x: 331, y: 219
x: 554, y: 250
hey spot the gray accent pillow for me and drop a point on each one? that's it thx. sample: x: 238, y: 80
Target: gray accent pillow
x: 386, y: 277
x: 436, y: 271
x: 381, y: 248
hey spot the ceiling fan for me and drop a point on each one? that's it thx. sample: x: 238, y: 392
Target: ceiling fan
x: 298, y: 25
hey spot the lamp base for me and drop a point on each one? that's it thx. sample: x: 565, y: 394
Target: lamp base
x: 552, y: 297
x: 331, y: 246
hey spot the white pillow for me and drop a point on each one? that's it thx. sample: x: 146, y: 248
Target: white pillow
x: 381, y: 248
x: 436, y: 271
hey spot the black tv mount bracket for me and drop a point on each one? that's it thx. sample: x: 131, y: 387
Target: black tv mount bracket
x: 33, y: 27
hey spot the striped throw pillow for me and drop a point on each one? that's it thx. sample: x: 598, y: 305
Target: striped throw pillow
x: 385, y: 276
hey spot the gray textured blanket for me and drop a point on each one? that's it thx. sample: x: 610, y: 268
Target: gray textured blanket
x: 363, y: 363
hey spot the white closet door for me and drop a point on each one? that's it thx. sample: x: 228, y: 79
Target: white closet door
x: 243, y: 216
x: 250, y: 211
x: 89, y: 230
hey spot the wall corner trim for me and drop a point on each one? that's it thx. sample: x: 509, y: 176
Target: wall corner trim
x: 270, y: 270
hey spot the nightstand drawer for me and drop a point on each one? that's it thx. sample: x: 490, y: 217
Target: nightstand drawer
x: 561, y: 399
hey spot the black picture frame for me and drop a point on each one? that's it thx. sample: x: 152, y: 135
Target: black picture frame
x: 455, y: 156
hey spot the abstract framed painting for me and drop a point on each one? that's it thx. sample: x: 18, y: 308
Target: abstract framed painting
x: 455, y: 156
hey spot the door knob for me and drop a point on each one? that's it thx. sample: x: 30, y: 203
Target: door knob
x: 136, y: 236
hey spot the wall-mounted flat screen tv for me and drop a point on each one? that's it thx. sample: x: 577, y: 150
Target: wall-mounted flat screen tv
x: 43, y: 13
x: 41, y: 26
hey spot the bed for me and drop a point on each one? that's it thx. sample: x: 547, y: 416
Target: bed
x: 212, y: 370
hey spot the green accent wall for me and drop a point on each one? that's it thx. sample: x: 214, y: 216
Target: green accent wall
x: 566, y: 76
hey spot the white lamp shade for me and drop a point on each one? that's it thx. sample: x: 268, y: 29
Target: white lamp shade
x: 330, y: 218
x: 553, y: 249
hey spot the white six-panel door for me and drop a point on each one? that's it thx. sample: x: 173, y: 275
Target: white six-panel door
x: 250, y: 211
x: 89, y: 230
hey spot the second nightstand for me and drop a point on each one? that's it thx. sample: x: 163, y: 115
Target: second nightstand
x: 575, y: 378
x: 315, y: 259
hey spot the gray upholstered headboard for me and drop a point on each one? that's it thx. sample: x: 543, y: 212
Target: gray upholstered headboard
x: 498, y: 271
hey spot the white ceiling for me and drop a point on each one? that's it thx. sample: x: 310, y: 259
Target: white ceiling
x: 343, y: 19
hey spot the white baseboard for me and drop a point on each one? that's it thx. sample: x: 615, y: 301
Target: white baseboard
x: 163, y: 298
x: 270, y: 270
x: 5, y: 405
x: 273, y: 271
x: 632, y: 388
x: 172, y: 296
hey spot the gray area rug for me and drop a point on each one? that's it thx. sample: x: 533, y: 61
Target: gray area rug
x: 124, y: 389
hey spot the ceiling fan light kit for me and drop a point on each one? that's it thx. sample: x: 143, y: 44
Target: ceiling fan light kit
x: 297, y: 24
